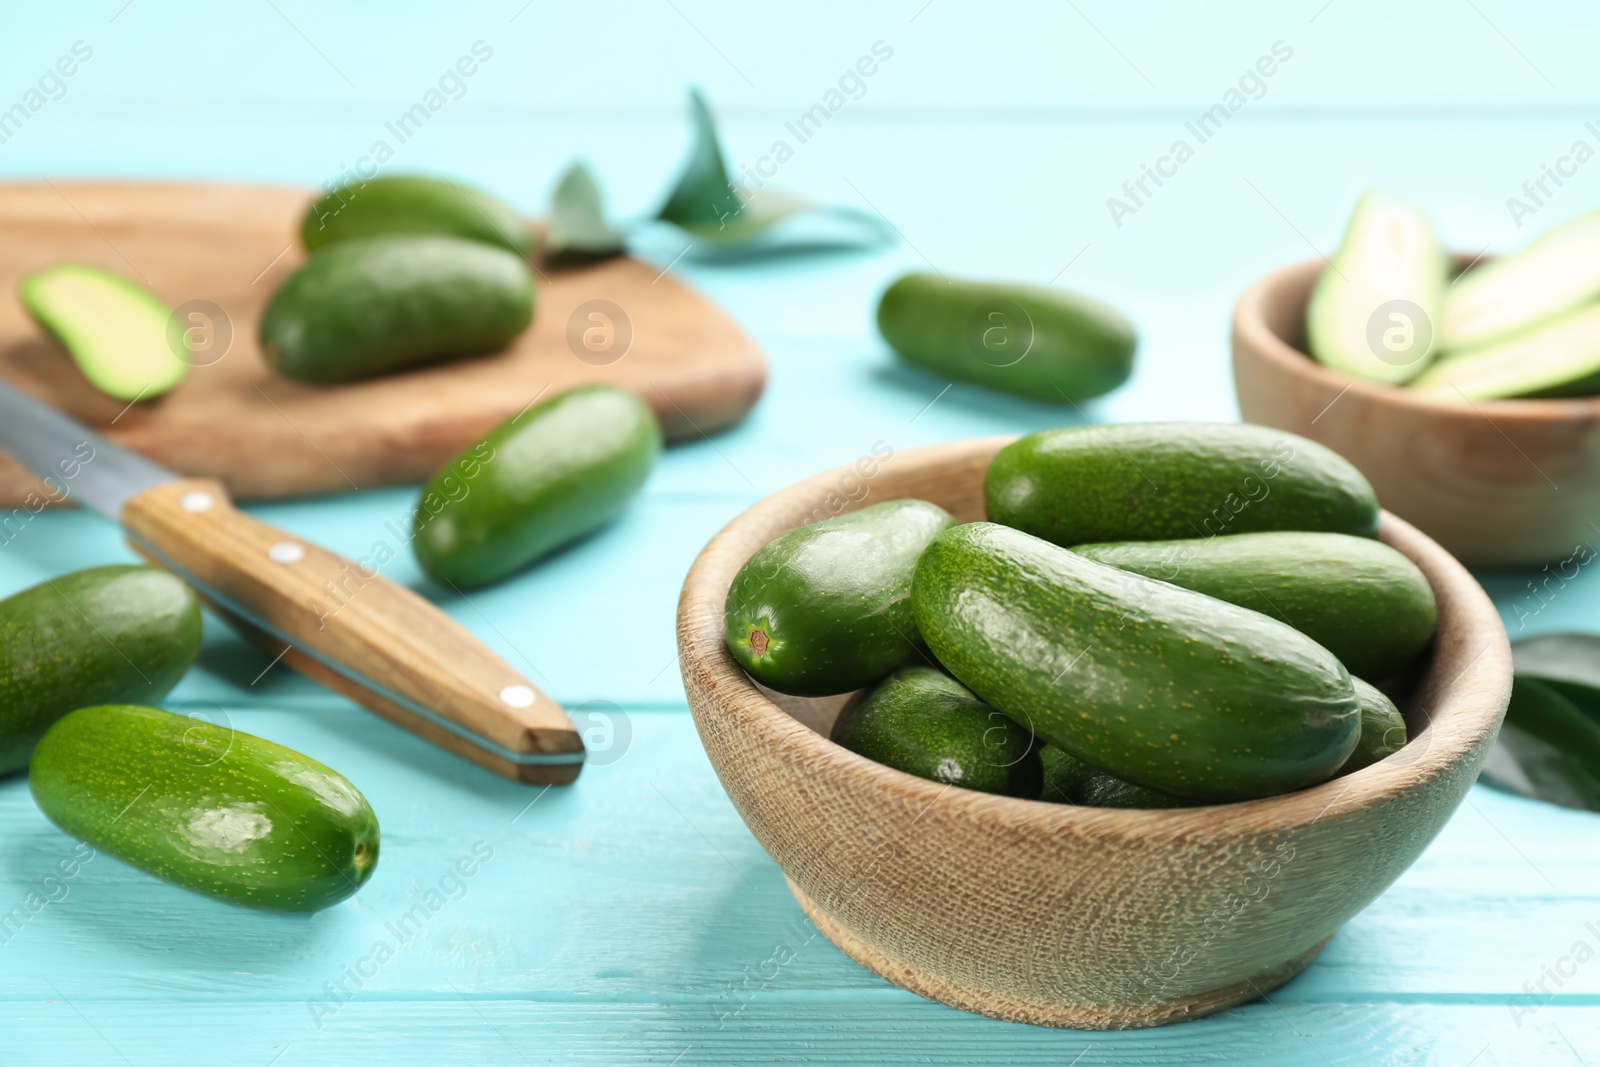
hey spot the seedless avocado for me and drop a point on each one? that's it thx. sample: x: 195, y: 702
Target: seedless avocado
x: 558, y: 470
x: 1102, y: 790
x: 1383, y: 730
x: 1357, y: 597
x: 205, y: 807
x: 121, y: 337
x: 1154, y: 684
x: 922, y: 721
x: 121, y: 633
x: 371, y: 306
x: 1069, y: 780
x: 1164, y: 480
x: 826, y: 608
x: 1377, y: 311
x: 1063, y: 774
x: 1557, y: 273
x: 1557, y: 358
x: 1045, y: 343
x: 412, y: 204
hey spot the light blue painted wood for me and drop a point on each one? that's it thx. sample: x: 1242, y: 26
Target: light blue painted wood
x: 627, y: 919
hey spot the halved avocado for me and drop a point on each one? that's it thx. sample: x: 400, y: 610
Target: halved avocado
x: 115, y: 331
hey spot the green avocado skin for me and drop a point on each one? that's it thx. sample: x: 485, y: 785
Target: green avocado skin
x: 1069, y: 780
x: 1383, y: 730
x: 1064, y: 774
x: 121, y: 633
x: 1157, y: 685
x: 1358, y: 598
x: 412, y: 204
x: 205, y: 807
x: 561, y: 469
x: 1101, y: 790
x: 922, y: 721
x: 826, y: 608
x: 1164, y: 480
x: 1044, y: 343
x: 361, y: 308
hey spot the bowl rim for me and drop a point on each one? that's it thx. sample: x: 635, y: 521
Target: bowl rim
x: 1250, y: 327
x: 1468, y: 687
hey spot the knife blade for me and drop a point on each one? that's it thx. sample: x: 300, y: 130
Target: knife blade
x: 337, y: 621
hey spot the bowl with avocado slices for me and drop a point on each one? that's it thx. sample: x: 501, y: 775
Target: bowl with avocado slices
x: 1491, y: 447
x: 1061, y: 787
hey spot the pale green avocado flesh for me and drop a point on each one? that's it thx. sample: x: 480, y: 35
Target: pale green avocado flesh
x: 1502, y: 298
x: 1378, y: 306
x: 1558, y: 358
x: 117, y: 333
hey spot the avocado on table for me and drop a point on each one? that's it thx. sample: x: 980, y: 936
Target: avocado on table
x: 1357, y: 597
x: 119, y: 633
x: 826, y: 608
x: 1040, y: 342
x: 413, y: 204
x: 1156, y: 481
x: 374, y: 305
x: 208, y: 808
x: 1154, y: 684
x: 922, y: 721
x: 560, y: 469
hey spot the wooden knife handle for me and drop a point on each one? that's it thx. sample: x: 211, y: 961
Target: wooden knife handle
x: 350, y: 629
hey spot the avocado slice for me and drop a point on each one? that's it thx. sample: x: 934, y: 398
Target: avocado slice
x: 116, y: 332
x: 1555, y: 359
x: 1377, y: 308
x: 1500, y: 299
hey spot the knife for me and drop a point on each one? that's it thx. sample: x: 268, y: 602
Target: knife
x: 331, y: 619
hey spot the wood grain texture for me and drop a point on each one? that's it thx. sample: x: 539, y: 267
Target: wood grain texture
x: 1070, y: 916
x: 346, y: 612
x: 1496, y: 482
x: 266, y: 436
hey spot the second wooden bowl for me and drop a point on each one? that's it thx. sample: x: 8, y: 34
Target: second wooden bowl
x: 1058, y: 915
x: 1498, y: 483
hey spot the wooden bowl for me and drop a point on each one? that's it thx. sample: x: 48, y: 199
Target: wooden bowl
x: 1498, y: 483
x: 1058, y: 915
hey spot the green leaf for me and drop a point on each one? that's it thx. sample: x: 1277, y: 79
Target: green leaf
x: 1568, y: 663
x: 578, y: 218
x: 1548, y: 748
x: 1559, y: 657
x: 703, y: 199
x: 728, y: 220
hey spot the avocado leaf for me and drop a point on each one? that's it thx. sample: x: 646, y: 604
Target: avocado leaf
x: 725, y: 217
x: 704, y: 198
x: 1548, y: 748
x: 1574, y: 657
x: 578, y: 219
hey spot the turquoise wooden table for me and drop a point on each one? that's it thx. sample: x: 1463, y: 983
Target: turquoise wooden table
x: 631, y: 918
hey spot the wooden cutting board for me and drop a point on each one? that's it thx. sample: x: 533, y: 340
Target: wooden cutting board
x: 218, y: 251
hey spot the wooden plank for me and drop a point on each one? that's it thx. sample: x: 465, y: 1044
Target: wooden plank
x: 868, y: 1026
x: 640, y: 882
